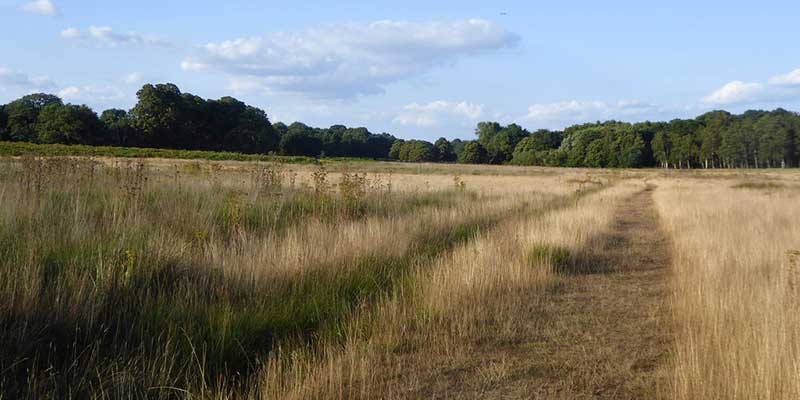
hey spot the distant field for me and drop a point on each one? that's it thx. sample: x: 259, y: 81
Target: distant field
x: 138, y: 273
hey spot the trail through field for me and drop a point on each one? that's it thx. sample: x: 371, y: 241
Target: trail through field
x: 603, y: 334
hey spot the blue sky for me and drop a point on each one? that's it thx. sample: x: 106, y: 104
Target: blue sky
x: 418, y: 69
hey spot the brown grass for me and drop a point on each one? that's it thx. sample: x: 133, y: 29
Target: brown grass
x: 738, y: 331
x: 226, y: 280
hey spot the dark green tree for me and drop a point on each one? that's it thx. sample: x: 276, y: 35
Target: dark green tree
x: 159, y: 116
x: 473, y: 153
x: 444, y: 150
x: 417, y: 151
x: 119, y: 130
x: 68, y: 124
x: 299, y: 140
x: 23, y: 113
x: 3, y: 123
x: 397, y: 146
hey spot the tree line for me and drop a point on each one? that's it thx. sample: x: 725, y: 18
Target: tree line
x: 164, y: 117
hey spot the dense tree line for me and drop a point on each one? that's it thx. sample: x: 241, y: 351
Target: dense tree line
x: 717, y: 139
x: 166, y: 118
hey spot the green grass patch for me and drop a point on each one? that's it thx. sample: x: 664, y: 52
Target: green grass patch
x: 556, y: 256
x: 18, y: 149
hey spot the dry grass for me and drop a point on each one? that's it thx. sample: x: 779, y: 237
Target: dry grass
x: 226, y: 280
x: 739, y: 329
x: 139, y: 279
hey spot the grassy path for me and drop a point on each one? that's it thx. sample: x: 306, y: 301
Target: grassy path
x: 598, y: 334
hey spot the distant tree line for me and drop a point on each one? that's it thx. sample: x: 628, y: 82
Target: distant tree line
x: 717, y: 139
x: 166, y: 118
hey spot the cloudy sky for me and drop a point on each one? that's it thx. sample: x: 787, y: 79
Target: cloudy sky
x: 419, y: 69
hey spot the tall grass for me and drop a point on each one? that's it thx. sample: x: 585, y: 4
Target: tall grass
x: 435, y: 318
x: 734, y: 300
x: 124, y: 280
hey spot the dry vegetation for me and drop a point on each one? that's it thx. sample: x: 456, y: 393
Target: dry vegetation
x: 735, y: 296
x: 184, y: 279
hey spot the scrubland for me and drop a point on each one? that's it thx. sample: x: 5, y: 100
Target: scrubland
x: 226, y: 280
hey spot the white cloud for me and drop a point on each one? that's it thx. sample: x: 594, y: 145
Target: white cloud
x: 71, y: 33
x: 41, y: 7
x: 568, y: 112
x: 90, y: 94
x: 736, y: 92
x: 789, y: 79
x: 134, y: 78
x: 192, y: 65
x: 785, y: 87
x: 12, y: 78
x: 105, y: 36
x: 350, y: 59
x: 439, y: 112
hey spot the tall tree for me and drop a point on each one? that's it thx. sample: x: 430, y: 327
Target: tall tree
x: 662, y: 149
x: 119, y: 130
x: 444, y: 150
x: 473, y: 153
x: 159, y: 115
x: 23, y: 113
x: 715, y: 124
x: 68, y: 124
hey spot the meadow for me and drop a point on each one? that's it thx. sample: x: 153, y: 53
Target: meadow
x: 269, y: 279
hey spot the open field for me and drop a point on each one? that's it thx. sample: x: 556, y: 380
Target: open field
x: 165, y: 279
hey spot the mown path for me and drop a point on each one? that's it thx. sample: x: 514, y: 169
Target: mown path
x: 604, y: 334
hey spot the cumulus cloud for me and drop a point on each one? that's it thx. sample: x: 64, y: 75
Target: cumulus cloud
x: 349, y: 59
x: 789, y: 79
x: 20, y: 80
x: 438, y: 112
x: 106, y: 36
x: 41, y: 7
x: 736, y: 92
x: 777, y: 88
x: 558, y: 114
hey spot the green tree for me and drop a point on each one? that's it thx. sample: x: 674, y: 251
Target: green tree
x: 444, y: 150
x: 715, y: 124
x: 474, y: 153
x: 299, y: 140
x: 23, y: 113
x: 417, y: 151
x: 280, y: 128
x: 458, y: 147
x: 397, y: 146
x: 119, y: 130
x: 159, y: 116
x: 253, y: 133
x: 68, y: 124
x: 3, y: 123
x: 486, y: 132
x: 536, y: 148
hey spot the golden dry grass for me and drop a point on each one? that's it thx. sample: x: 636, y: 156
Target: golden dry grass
x: 739, y: 328
x: 228, y: 280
